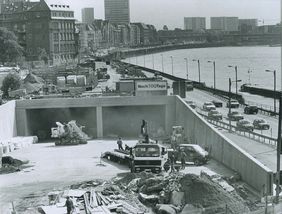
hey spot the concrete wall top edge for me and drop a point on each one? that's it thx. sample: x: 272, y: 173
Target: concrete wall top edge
x: 226, y: 138
x: 94, y: 102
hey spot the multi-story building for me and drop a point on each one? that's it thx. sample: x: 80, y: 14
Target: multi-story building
x: 134, y: 35
x: 247, y: 25
x: 225, y: 23
x: 194, y: 23
x: 117, y: 11
x: 51, y: 26
x: 87, y: 15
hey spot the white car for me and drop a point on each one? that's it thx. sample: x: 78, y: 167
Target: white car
x: 208, y: 106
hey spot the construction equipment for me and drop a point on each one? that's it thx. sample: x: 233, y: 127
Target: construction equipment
x: 178, y: 136
x: 69, y: 134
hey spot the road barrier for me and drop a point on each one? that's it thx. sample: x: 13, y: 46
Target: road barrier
x: 252, y: 135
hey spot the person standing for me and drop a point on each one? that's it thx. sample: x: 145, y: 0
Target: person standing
x: 172, y: 161
x: 69, y: 205
x: 119, y: 143
x: 183, y: 159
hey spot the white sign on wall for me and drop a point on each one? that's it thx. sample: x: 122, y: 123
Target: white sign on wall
x: 150, y: 85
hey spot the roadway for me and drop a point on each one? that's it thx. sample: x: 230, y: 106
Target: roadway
x: 262, y: 152
x: 199, y: 97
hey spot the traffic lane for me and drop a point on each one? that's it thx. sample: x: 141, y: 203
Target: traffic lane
x: 200, y: 97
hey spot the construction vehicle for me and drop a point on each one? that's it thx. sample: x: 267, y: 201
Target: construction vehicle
x: 143, y: 156
x: 178, y: 136
x: 68, y: 134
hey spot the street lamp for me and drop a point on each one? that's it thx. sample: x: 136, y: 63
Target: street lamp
x: 199, y: 68
x: 213, y: 62
x: 249, y: 72
x: 274, y: 75
x: 236, y: 76
x: 229, y: 100
x: 144, y: 61
x: 153, y: 61
x: 186, y: 67
x: 162, y: 63
x: 171, y: 65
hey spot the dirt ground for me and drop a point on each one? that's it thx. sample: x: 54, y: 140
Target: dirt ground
x: 52, y: 168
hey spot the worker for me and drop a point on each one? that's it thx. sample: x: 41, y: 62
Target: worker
x: 119, y: 143
x: 183, y: 159
x: 144, y: 128
x: 69, y: 205
x: 172, y: 161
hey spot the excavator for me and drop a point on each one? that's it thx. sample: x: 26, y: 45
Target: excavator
x: 68, y: 134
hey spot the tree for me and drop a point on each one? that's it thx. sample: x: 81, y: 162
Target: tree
x: 10, y: 50
x: 11, y: 82
x: 42, y: 55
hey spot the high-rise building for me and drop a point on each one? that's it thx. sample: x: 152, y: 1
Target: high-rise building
x: 194, y: 23
x: 247, y: 25
x: 117, y: 11
x: 87, y: 15
x: 225, y: 23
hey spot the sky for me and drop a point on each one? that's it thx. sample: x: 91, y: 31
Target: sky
x: 172, y: 12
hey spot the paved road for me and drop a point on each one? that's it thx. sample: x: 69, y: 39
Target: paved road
x: 199, y: 97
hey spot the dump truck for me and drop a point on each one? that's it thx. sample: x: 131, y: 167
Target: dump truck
x: 68, y: 134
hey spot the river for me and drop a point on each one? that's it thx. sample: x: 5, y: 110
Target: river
x: 255, y: 59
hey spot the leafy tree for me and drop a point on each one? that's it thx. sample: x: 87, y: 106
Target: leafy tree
x: 11, y: 82
x: 10, y: 50
x: 42, y: 55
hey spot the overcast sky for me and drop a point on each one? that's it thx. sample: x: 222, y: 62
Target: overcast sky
x: 171, y: 12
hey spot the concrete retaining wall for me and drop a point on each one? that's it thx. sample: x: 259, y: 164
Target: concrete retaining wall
x: 222, y: 149
x: 7, y: 121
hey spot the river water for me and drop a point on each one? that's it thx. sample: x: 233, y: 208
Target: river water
x: 255, y: 59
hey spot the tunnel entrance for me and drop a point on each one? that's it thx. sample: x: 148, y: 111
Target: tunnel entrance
x: 40, y: 121
x: 125, y: 121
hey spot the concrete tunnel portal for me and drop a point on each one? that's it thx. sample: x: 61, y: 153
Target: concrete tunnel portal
x: 116, y: 121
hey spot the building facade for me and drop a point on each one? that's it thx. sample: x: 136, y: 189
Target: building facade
x: 225, y: 23
x: 194, y: 23
x: 87, y: 15
x: 247, y: 25
x: 117, y: 11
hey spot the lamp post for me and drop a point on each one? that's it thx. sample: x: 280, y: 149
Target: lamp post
x: 136, y: 58
x: 213, y: 62
x: 199, y: 68
x: 249, y: 72
x: 186, y: 68
x: 144, y: 60
x: 236, y: 76
x: 162, y: 63
x: 153, y: 61
x: 274, y: 75
x: 229, y: 101
x: 171, y: 65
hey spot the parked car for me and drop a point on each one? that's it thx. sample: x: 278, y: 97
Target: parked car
x: 235, y: 116
x: 261, y: 124
x: 195, y: 153
x: 191, y: 104
x: 217, y: 104
x: 251, y: 110
x: 214, y: 115
x: 244, y: 125
x: 233, y: 104
x: 208, y: 106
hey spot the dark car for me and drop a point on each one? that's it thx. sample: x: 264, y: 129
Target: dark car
x: 244, y: 125
x: 214, y: 115
x: 235, y: 116
x: 195, y: 153
x: 261, y: 124
x: 217, y: 104
x: 251, y: 110
x: 233, y: 104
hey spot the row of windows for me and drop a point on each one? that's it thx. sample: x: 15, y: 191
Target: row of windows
x: 64, y: 36
x: 64, y: 48
x: 63, y: 25
x: 62, y: 14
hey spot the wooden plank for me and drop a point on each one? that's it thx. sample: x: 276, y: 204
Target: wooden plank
x: 106, y: 210
x: 95, y: 203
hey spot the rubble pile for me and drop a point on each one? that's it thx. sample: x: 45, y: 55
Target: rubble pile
x: 10, y: 165
x: 171, y: 193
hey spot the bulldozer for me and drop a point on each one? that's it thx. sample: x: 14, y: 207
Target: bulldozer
x: 68, y: 134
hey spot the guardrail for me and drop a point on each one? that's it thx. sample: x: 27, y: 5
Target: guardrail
x: 252, y: 135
